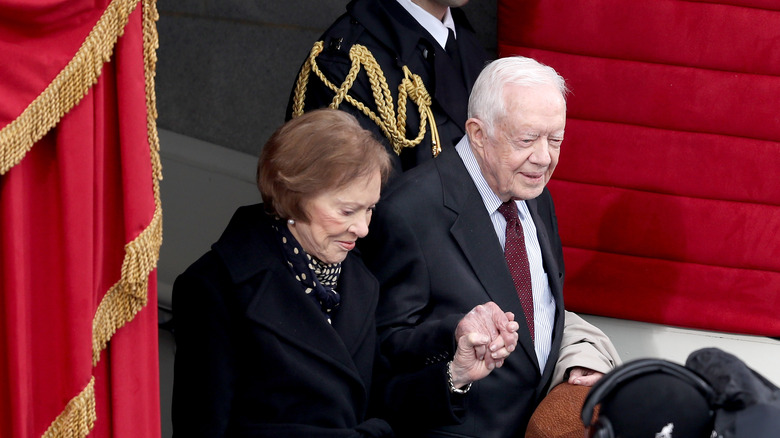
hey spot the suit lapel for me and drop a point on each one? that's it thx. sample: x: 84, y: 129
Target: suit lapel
x: 473, y: 232
x: 556, y: 287
x: 455, y: 79
x: 450, y: 91
x: 550, y: 263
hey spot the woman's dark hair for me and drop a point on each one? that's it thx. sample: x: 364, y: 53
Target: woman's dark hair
x: 316, y: 152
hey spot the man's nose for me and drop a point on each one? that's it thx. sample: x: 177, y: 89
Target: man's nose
x: 541, y: 155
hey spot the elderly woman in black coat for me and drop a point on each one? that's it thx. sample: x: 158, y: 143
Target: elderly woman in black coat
x: 275, y: 326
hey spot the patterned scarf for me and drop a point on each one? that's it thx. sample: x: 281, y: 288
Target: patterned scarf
x: 318, y: 279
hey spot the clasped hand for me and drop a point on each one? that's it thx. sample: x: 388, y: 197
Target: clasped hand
x: 485, y: 337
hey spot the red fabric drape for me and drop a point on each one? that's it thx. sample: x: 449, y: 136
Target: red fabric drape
x: 666, y: 191
x: 67, y: 210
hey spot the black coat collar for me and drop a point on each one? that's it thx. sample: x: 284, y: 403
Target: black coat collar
x: 256, y: 265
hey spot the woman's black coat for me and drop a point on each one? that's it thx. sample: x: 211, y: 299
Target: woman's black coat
x: 256, y: 357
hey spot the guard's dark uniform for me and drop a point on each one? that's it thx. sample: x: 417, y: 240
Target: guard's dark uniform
x: 395, y: 39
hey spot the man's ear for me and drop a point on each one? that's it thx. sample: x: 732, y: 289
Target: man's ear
x: 475, y: 129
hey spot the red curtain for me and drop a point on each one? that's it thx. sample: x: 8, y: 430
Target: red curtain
x: 666, y: 191
x: 80, y: 219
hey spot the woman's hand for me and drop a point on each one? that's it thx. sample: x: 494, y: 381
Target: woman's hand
x: 485, y: 337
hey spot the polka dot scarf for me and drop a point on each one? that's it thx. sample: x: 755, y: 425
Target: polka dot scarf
x: 318, y: 279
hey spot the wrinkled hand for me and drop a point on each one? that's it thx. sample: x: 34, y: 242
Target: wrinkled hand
x: 584, y: 376
x: 486, y: 336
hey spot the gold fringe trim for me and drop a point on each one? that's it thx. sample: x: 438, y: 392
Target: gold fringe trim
x: 67, y: 89
x: 77, y: 419
x: 129, y: 295
x: 392, y: 125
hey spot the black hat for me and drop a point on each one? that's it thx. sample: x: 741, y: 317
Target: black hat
x: 650, y: 398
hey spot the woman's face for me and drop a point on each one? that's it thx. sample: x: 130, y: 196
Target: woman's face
x: 337, y: 218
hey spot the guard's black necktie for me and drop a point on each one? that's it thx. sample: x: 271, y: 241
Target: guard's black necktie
x: 452, y: 47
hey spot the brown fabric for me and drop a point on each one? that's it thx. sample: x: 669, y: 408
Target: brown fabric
x: 558, y: 415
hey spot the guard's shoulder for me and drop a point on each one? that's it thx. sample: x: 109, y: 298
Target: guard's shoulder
x: 460, y: 19
x: 345, y: 32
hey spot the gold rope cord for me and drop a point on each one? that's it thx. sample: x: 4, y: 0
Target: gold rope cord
x: 78, y: 417
x: 392, y: 125
x: 129, y: 295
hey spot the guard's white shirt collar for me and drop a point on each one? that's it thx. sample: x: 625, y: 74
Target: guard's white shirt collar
x: 437, y: 29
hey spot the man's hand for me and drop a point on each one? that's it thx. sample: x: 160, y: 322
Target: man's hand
x: 485, y: 336
x: 584, y: 376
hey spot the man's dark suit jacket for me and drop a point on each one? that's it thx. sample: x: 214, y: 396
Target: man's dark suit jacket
x: 434, y: 250
x: 396, y: 39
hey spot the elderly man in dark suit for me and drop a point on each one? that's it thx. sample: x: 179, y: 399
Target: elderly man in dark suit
x: 478, y: 224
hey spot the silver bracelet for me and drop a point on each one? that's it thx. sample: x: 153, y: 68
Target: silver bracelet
x: 453, y: 389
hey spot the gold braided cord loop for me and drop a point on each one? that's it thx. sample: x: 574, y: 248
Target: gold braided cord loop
x: 78, y: 418
x: 392, y: 125
x: 68, y: 87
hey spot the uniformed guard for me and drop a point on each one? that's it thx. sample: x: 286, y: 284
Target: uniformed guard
x: 385, y: 62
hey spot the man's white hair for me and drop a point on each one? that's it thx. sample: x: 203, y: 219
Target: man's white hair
x: 487, y: 96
